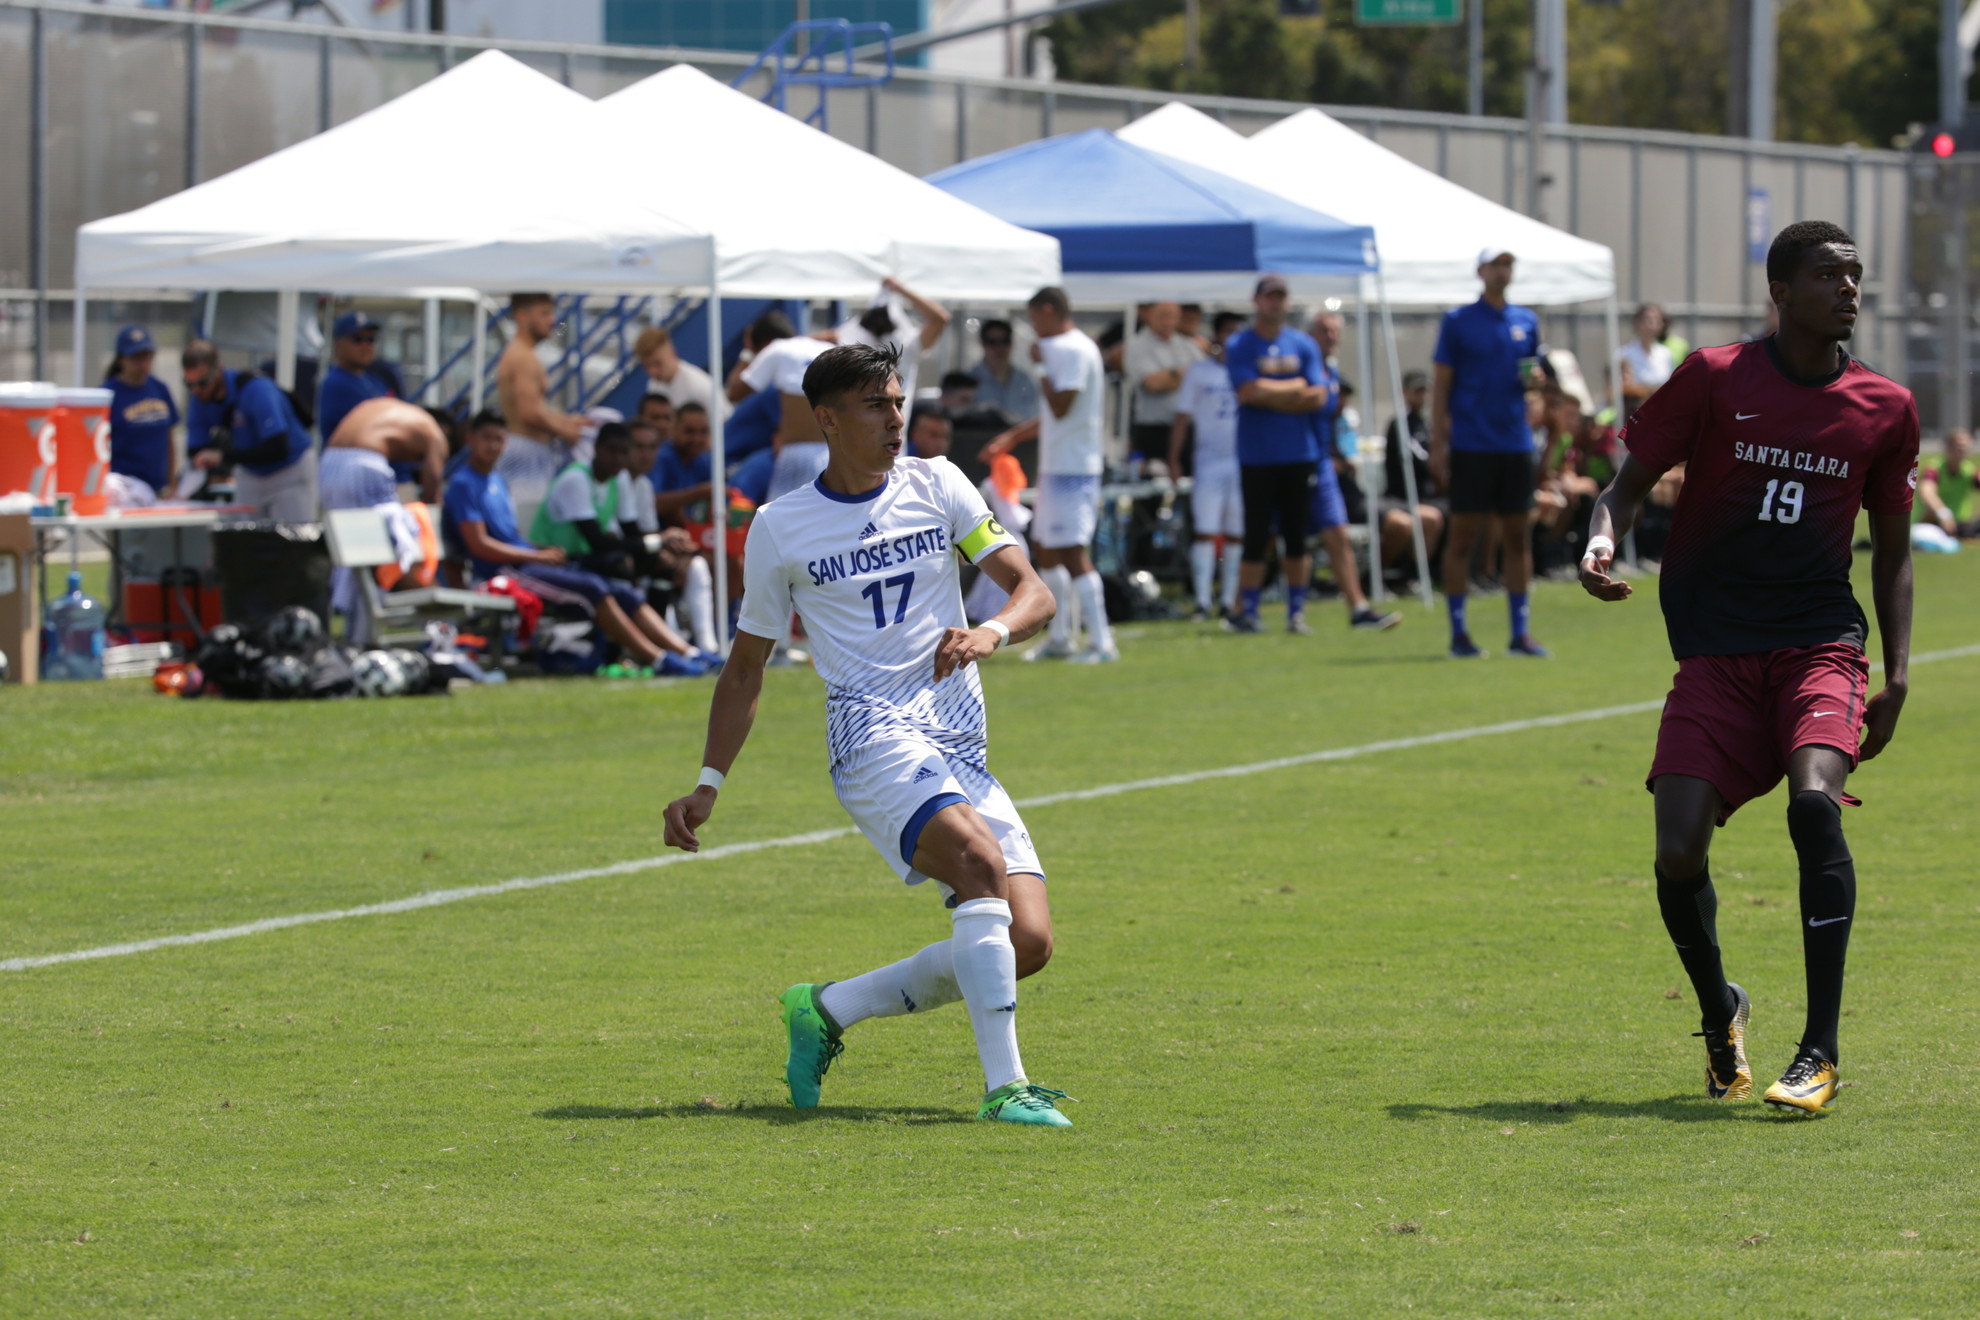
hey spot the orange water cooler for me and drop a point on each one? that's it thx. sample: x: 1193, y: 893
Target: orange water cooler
x: 82, y: 447
x: 27, y: 439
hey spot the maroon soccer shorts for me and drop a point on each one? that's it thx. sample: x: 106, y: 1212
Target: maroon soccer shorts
x: 1733, y: 720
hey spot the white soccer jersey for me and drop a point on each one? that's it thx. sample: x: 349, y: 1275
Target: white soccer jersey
x: 783, y: 362
x: 1072, y: 444
x: 876, y: 581
x: 1206, y: 395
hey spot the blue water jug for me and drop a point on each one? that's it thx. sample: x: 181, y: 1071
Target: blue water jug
x: 73, y: 636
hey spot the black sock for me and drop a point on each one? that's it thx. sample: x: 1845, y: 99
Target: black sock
x: 1828, y: 904
x: 1691, y: 911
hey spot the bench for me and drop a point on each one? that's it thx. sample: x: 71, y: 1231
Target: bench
x: 360, y: 542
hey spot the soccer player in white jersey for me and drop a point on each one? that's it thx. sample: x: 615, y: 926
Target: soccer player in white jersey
x: 1216, y: 495
x: 868, y: 555
x: 1073, y: 379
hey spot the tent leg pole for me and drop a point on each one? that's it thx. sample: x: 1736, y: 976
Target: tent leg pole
x: 480, y: 354
x: 285, y: 338
x: 1402, y: 433
x: 78, y: 336
x: 430, y: 343
x: 1361, y: 467
x: 1615, y: 401
x: 718, y: 468
x: 1126, y: 417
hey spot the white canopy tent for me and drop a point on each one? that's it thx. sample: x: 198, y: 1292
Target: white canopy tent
x: 415, y: 198
x: 1430, y: 229
x: 799, y: 214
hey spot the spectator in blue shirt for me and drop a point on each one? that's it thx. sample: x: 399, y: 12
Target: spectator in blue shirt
x: 353, y: 376
x: 683, y: 472
x: 1282, y: 386
x: 273, y: 458
x: 142, y: 414
x: 1481, y: 447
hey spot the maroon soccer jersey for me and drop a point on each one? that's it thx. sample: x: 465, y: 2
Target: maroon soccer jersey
x: 1759, y: 550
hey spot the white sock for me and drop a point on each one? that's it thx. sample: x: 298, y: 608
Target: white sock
x: 912, y: 985
x: 1058, y: 580
x: 1202, y: 567
x: 986, y: 971
x: 1233, y: 557
x: 701, y: 603
x: 1092, y: 595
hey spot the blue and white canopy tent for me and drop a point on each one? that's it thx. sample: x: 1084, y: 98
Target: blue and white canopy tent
x: 1134, y: 224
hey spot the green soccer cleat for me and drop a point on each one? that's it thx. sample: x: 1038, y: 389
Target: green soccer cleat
x: 1021, y: 1102
x: 814, y: 1044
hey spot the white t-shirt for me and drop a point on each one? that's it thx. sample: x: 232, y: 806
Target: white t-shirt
x: 876, y: 580
x: 690, y: 385
x: 636, y: 502
x: 1207, y: 398
x: 574, y: 496
x: 1071, y: 445
x: 782, y: 364
x: 1148, y: 353
x: 1651, y: 367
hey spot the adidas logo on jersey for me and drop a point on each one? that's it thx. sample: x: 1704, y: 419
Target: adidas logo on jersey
x: 926, y: 772
x: 868, y: 532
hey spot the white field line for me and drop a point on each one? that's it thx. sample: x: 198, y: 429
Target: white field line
x: 438, y: 897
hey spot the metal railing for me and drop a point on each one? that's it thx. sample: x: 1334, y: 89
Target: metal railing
x: 811, y: 64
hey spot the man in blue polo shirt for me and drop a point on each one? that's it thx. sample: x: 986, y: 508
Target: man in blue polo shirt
x: 273, y: 458
x: 352, y: 377
x: 1481, y: 448
x: 1281, y: 385
x: 142, y: 414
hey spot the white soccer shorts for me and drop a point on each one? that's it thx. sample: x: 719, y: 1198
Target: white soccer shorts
x: 1066, y: 512
x: 1216, y: 502
x: 892, y: 789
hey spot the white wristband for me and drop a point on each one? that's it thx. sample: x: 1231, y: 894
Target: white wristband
x: 710, y: 778
x: 1597, y: 544
x: 997, y: 626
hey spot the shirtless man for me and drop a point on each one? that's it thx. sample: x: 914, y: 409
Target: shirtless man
x: 540, y: 437
x: 356, y: 471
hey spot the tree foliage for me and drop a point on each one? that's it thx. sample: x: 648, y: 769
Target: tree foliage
x: 1848, y: 70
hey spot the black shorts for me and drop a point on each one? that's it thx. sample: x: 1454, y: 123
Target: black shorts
x: 1279, y: 493
x: 1491, y: 483
x: 1149, y: 440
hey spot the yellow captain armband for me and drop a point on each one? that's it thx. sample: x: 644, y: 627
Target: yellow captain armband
x: 987, y: 533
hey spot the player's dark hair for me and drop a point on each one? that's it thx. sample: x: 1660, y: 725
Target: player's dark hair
x: 1791, y: 245
x: 488, y: 417
x: 768, y: 328
x: 522, y: 302
x: 689, y: 407
x: 928, y: 411
x: 958, y: 380
x: 849, y: 367
x: 611, y: 435
x: 1223, y: 321
x: 997, y: 324
x: 645, y: 399
x: 1054, y: 297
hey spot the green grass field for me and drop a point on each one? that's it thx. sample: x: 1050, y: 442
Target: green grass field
x: 1386, y: 1035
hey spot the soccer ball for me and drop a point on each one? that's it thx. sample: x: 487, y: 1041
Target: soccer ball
x: 282, y: 677
x: 375, y: 672
x: 418, y: 671
x: 295, y: 630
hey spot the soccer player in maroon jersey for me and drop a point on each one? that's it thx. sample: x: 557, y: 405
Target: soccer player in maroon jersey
x: 1784, y: 439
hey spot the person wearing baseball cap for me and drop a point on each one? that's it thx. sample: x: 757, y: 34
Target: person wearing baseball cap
x: 353, y: 376
x: 1481, y: 448
x: 142, y: 414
